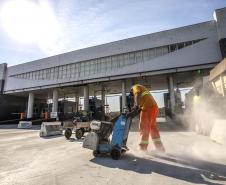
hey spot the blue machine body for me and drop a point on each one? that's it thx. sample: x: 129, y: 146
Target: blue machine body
x: 104, y: 148
x: 119, y: 135
x: 119, y: 132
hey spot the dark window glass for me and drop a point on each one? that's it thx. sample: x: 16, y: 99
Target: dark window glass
x: 173, y: 47
x: 195, y: 41
x: 188, y: 43
x: 180, y: 45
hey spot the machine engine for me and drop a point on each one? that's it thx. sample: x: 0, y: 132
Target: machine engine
x: 100, y: 133
x: 102, y: 128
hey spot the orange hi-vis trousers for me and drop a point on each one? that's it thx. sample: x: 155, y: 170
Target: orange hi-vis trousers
x: 148, y: 126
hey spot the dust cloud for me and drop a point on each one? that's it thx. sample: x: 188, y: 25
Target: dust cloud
x: 203, y: 106
x: 193, y: 142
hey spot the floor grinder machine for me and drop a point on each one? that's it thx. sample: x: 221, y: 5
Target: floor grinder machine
x: 109, y: 137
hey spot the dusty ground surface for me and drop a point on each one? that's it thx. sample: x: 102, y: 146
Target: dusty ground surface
x: 27, y: 159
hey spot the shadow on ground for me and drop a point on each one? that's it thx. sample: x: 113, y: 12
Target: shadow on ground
x: 215, y: 168
x: 14, y: 126
x: 52, y: 137
x: 75, y: 140
x: 148, y: 166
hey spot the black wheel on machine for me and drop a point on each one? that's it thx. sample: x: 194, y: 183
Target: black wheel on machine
x: 116, y: 154
x: 68, y: 133
x: 79, y: 133
x: 96, y: 153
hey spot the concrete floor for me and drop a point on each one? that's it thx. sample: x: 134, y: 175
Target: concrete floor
x: 27, y: 159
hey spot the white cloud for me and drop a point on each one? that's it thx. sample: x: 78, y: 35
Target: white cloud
x: 92, y: 22
x: 30, y: 23
x: 79, y: 24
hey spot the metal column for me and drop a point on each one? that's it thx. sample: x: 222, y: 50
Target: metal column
x: 77, y: 102
x: 55, y: 100
x: 123, y: 94
x: 30, y: 106
x: 103, y: 98
x: 86, y: 97
x: 172, y: 93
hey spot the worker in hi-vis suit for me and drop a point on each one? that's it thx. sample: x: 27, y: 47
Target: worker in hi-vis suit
x: 146, y: 105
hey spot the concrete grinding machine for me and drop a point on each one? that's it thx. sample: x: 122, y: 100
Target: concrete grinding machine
x: 99, y: 140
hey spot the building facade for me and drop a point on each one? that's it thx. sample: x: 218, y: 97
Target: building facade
x: 182, y: 50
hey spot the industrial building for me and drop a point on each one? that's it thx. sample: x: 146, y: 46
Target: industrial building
x: 170, y: 59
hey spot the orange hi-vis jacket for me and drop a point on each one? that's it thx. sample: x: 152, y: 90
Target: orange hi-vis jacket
x: 146, y: 99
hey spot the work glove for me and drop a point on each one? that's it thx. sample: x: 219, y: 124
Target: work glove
x: 134, y: 112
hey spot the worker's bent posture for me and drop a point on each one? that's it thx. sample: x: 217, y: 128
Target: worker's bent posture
x: 144, y: 101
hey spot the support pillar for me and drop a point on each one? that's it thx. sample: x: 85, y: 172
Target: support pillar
x: 30, y: 106
x: 55, y: 100
x: 103, y: 98
x: 103, y: 95
x: 172, y: 93
x: 86, y: 97
x: 123, y: 95
x: 77, y: 103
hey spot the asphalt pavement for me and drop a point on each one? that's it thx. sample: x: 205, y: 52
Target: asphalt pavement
x: 27, y: 159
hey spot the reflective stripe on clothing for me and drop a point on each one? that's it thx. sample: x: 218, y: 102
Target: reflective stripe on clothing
x: 144, y: 142
x: 156, y: 139
x: 145, y: 93
x: 145, y: 101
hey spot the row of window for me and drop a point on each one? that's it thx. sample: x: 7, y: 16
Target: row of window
x: 105, y: 64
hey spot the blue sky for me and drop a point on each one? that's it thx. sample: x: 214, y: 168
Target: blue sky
x: 78, y: 24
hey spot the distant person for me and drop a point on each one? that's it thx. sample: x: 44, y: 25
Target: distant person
x: 146, y: 105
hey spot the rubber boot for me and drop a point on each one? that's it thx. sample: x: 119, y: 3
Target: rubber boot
x: 143, y: 147
x: 159, y: 146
